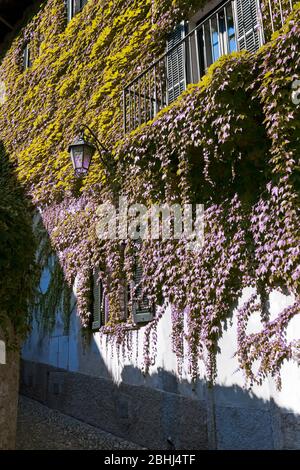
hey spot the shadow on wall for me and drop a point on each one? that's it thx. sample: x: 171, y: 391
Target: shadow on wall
x: 162, y: 418
x: 17, y: 250
x: 234, y: 417
x: 18, y: 12
x: 16, y: 263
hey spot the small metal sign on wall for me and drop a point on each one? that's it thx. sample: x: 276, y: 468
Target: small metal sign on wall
x: 2, y: 353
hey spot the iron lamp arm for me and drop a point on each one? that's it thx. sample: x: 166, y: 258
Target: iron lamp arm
x: 97, y: 141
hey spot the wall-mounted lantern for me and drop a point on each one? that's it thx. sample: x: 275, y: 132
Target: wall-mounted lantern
x: 82, y: 151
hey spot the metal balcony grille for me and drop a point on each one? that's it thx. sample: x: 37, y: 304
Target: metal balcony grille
x: 234, y: 26
x: 276, y: 12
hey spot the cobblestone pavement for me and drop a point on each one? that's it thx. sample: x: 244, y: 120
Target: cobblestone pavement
x: 40, y: 427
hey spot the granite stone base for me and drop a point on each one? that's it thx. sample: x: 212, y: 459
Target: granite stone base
x: 148, y: 417
x: 42, y: 428
x: 227, y: 417
x: 9, y: 383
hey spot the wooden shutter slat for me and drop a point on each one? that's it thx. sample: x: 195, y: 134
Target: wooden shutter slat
x: 103, y: 305
x: 142, y: 310
x: 176, y: 64
x: 248, y: 27
x: 97, y: 300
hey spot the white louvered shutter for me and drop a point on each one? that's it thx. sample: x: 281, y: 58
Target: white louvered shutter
x: 176, y: 63
x: 248, y: 25
x: 142, y: 310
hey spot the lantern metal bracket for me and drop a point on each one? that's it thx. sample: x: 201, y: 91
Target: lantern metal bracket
x: 98, y: 143
x: 85, y: 126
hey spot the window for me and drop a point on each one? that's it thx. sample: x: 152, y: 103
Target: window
x: 216, y: 37
x: 221, y: 27
x: 232, y: 26
x: 131, y: 293
x: 26, y: 57
x: 100, y: 304
x: 74, y: 7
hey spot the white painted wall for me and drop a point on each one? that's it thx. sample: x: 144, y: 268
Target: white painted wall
x: 100, y: 358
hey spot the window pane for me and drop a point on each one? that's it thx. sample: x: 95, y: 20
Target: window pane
x: 205, y: 49
x: 222, y: 32
x: 232, y: 46
x: 215, y: 39
x: 217, y: 36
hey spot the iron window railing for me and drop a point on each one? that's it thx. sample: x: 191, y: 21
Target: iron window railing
x: 235, y: 25
x: 278, y: 11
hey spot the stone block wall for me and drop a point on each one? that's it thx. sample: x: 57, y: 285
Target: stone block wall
x: 9, y: 385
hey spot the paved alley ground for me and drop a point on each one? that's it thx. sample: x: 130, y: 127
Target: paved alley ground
x: 42, y: 428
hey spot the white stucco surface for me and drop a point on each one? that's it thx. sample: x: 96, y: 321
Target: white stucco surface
x: 100, y: 358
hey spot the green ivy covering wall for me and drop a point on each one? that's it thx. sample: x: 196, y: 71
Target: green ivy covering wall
x: 77, y: 75
x: 17, y: 255
x: 230, y: 142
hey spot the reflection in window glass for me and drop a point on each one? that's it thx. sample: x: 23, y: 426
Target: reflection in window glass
x: 217, y: 37
x: 232, y: 47
x: 205, y: 48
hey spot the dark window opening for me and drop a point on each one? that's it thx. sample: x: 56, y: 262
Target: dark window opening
x: 26, y: 57
x: 74, y: 7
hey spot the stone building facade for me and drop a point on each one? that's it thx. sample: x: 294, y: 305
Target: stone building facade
x: 90, y: 377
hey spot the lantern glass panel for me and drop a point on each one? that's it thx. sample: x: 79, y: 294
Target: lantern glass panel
x: 88, y: 153
x: 77, y: 156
